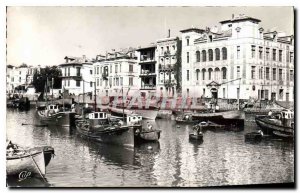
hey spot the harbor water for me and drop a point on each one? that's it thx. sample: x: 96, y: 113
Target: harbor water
x: 224, y: 158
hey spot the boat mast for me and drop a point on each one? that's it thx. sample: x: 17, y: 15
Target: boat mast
x: 95, y: 96
x: 123, y: 104
x: 52, y: 80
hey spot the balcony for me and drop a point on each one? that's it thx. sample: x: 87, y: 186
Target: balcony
x: 168, y: 67
x: 147, y: 73
x: 148, y: 87
x: 145, y: 59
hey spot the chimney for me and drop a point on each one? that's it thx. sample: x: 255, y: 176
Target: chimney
x: 169, y: 33
x: 232, y: 16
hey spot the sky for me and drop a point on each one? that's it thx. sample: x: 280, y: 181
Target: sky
x: 45, y: 35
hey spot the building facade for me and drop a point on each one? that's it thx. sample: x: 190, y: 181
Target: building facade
x: 238, y: 59
x: 77, y: 75
x: 116, y: 72
x: 167, y: 50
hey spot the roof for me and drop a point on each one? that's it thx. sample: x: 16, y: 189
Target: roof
x: 192, y: 30
x: 147, y: 47
x: 239, y: 18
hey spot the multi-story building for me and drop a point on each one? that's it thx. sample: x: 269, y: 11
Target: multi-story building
x: 116, y: 72
x: 148, y: 70
x: 18, y: 76
x: 168, y: 51
x: 237, y: 60
x: 77, y: 75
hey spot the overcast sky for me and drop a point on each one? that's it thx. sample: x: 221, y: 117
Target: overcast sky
x: 45, y: 35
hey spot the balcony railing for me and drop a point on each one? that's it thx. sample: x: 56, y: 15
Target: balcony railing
x: 147, y: 59
x: 148, y: 86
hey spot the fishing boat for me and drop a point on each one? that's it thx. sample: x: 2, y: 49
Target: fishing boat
x: 33, y: 161
x: 280, y: 124
x: 143, y: 131
x: 195, y: 137
x: 100, y: 128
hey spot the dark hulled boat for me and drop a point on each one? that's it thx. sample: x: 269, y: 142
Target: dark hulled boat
x: 280, y: 125
x: 100, y: 128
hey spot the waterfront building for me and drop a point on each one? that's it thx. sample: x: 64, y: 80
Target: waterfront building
x: 238, y: 59
x: 77, y: 75
x: 19, y: 76
x: 168, y: 52
x: 160, y: 67
x: 116, y: 72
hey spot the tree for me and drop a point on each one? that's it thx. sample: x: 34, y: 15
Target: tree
x: 39, y: 79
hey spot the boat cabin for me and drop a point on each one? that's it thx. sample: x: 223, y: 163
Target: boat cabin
x: 134, y: 119
x: 52, y: 107
x: 287, y: 118
x: 98, y: 118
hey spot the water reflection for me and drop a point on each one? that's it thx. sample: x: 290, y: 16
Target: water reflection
x: 222, y: 158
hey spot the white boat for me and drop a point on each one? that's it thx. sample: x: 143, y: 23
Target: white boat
x: 23, y: 161
x: 150, y: 113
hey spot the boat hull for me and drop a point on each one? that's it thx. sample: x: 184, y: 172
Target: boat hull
x: 123, y: 136
x: 234, y: 119
x: 148, y: 136
x: 145, y: 113
x: 65, y: 119
x: 35, y: 164
x: 269, y: 127
x: 194, y: 137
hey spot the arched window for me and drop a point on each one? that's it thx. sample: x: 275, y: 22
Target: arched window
x: 224, y: 73
x: 203, y: 56
x: 203, y: 74
x: 217, y: 51
x: 197, y: 56
x: 209, y: 73
x: 224, y: 53
x: 217, y: 74
x: 210, y: 55
x: 197, y: 74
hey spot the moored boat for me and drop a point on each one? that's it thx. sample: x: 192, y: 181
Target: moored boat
x: 100, y: 128
x: 280, y: 125
x: 186, y: 118
x: 208, y: 125
x: 197, y: 137
x: 33, y: 161
x: 254, y: 136
x: 146, y: 113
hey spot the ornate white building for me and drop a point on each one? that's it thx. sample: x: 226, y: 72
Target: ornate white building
x: 116, y: 71
x: 77, y: 75
x: 238, y: 59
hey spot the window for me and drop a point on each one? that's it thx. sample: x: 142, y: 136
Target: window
x: 203, y: 74
x: 78, y: 83
x: 267, y: 73
x: 223, y: 93
x: 91, y: 71
x: 280, y: 56
x: 224, y: 53
x: 224, y: 73
x: 97, y: 81
x: 253, y: 51
x: 203, y: 56
x: 121, y: 81
x: 19, y: 79
x: 117, y: 81
x: 274, y: 73
x: 291, y: 57
x: 114, y: 81
x: 280, y: 74
x: 187, y: 42
x: 238, y: 72
x: 162, y: 50
x: 100, y: 81
x: 187, y: 75
x: 65, y: 71
x: 110, y: 81
x: 217, y: 52
x: 287, y: 56
x: 68, y: 82
x: 197, y: 74
x: 91, y: 84
x: 210, y: 55
x: 77, y: 71
x: 209, y: 74
x: 130, y: 68
x: 281, y: 94
x: 120, y: 68
x: 260, y: 52
x: 187, y: 57
x: 252, y: 72
x: 260, y: 73
x: 110, y: 70
x: 274, y: 55
x: 291, y: 75
x: 130, y: 81
x: 197, y: 56
x: 267, y: 53
x: 116, y: 68
x: 238, y: 50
